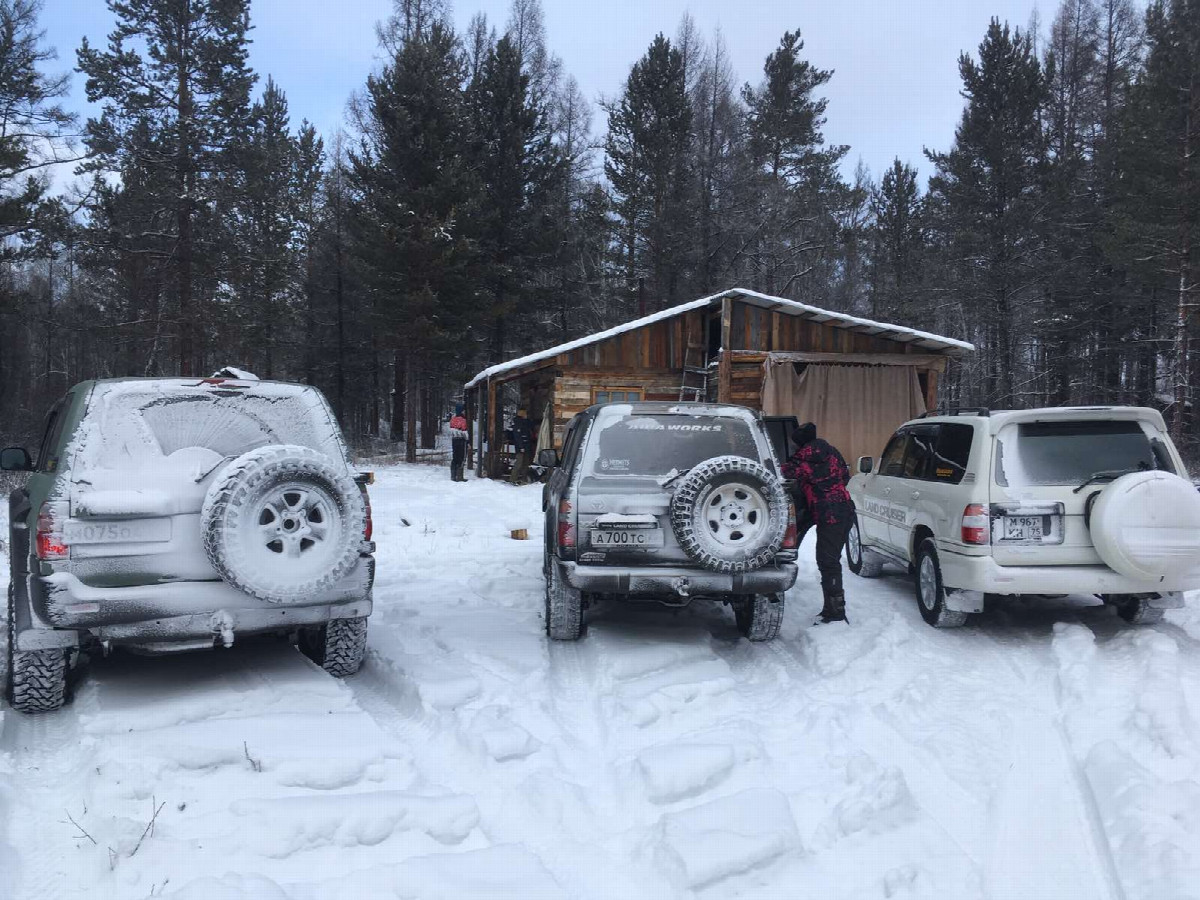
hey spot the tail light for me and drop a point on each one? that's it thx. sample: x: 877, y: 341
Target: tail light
x: 566, y: 527
x: 369, y: 526
x: 790, y: 536
x: 976, y: 525
x: 51, y: 543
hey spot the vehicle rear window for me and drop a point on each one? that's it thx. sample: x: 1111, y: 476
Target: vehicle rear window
x: 1060, y: 453
x: 645, y: 444
x: 952, y: 453
x: 130, y: 426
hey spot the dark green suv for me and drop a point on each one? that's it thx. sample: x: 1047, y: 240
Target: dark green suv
x: 176, y: 514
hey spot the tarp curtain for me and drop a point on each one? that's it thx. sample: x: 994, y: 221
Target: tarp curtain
x: 855, y: 407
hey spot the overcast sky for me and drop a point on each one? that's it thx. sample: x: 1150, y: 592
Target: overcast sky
x: 894, y: 91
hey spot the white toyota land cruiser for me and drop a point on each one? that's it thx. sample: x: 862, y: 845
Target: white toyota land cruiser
x: 1036, y: 502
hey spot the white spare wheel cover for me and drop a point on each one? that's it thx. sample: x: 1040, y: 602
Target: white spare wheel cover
x: 1147, y: 525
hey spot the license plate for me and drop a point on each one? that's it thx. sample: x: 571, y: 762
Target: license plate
x: 1024, y: 528
x: 134, y: 531
x: 627, y: 537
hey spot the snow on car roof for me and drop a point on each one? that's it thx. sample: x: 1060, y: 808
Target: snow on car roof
x: 925, y: 339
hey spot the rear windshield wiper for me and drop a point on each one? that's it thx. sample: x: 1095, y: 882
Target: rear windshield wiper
x: 1110, y: 475
x: 673, y: 475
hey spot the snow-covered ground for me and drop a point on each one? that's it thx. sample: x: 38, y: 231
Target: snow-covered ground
x: 1048, y: 751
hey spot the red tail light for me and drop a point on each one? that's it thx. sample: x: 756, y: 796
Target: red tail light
x: 566, y: 526
x: 790, y: 536
x: 976, y: 525
x: 369, y: 527
x: 51, y: 544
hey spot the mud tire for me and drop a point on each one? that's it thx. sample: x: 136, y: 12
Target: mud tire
x: 701, y: 487
x: 338, y: 646
x: 759, y: 616
x: 859, y: 560
x: 232, y: 523
x: 564, y: 608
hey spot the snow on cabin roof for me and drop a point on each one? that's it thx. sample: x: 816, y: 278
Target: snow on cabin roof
x: 924, y: 339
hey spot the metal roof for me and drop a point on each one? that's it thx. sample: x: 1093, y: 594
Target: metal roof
x: 898, y: 333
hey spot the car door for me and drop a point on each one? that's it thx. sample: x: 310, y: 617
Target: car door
x: 874, y: 509
x: 909, y: 484
x: 560, y: 479
x: 942, y: 500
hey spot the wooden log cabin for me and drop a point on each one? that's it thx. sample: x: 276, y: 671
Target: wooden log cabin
x: 737, y: 347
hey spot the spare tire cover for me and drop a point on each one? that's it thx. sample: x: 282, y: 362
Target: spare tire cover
x: 729, y: 514
x: 283, y: 523
x: 1146, y: 525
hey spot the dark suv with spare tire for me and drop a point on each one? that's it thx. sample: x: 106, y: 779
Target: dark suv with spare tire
x: 667, y: 502
x: 177, y: 514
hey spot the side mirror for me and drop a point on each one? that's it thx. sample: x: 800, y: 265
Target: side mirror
x: 15, y: 459
x: 547, y: 458
x: 866, y: 465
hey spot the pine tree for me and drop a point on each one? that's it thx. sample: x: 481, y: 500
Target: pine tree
x: 898, y: 246
x: 989, y: 200
x: 647, y: 151
x: 174, y: 88
x: 33, y: 125
x: 1164, y: 158
x: 521, y: 171
x: 796, y: 174
x: 411, y: 237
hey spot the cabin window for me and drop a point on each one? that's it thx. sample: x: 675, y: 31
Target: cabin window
x: 616, y: 394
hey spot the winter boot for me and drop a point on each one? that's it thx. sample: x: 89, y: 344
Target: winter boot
x: 834, y: 609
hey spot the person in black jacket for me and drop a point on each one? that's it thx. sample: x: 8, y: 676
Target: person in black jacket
x: 821, y: 475
x: 524, y: 437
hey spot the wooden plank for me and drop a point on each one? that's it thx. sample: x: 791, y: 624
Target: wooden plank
x: 927, y: 361
x: 931, y: 389
x: 725, y: 364
x: 491, y: 430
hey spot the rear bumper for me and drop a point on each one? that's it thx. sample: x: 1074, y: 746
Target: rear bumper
x: 186, y: 610
x: 982, y: 574
x: 681, y: 581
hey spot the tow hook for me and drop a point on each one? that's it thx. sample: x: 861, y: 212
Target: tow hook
x: 221, y: 624
x: 682, y: 586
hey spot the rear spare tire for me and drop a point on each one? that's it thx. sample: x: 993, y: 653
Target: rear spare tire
x: 1146, y: 525
x: 729, y: 514
x: 283, y: 523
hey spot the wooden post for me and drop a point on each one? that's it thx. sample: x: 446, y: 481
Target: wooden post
x: 725, y: 365
x: 469, y: 411
x: 491, y: 429
x: 931, y: 390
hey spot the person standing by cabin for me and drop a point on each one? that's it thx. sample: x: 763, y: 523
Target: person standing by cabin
x: 523, y: 437
x: 458, y: 444
x: 821, y: 475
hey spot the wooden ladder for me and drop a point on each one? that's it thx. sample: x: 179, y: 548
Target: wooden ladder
x: 694, y: 383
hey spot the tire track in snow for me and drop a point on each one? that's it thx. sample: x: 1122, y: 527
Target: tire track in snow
x: 47, y: 757
x: 1045, y: 810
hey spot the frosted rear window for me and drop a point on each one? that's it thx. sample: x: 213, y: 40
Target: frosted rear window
x: 1068, y: 453
x: 655, y: 444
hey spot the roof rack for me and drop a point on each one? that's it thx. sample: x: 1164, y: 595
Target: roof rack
x: 959, y: 411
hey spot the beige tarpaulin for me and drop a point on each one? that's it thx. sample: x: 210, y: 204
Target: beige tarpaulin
x: 855, y: 407
x: 546, y: 432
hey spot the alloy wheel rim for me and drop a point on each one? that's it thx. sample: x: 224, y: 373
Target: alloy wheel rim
x: 296, y: 521
x: 735, y: 514
x: 928, y: 583
x: 853, y: 544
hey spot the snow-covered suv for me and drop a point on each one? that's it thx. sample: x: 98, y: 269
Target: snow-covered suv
x: 171, y: 514
x: 667, y: 502
x: 1036, y: 502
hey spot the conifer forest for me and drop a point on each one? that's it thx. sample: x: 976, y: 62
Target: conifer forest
x: 475, y: 205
